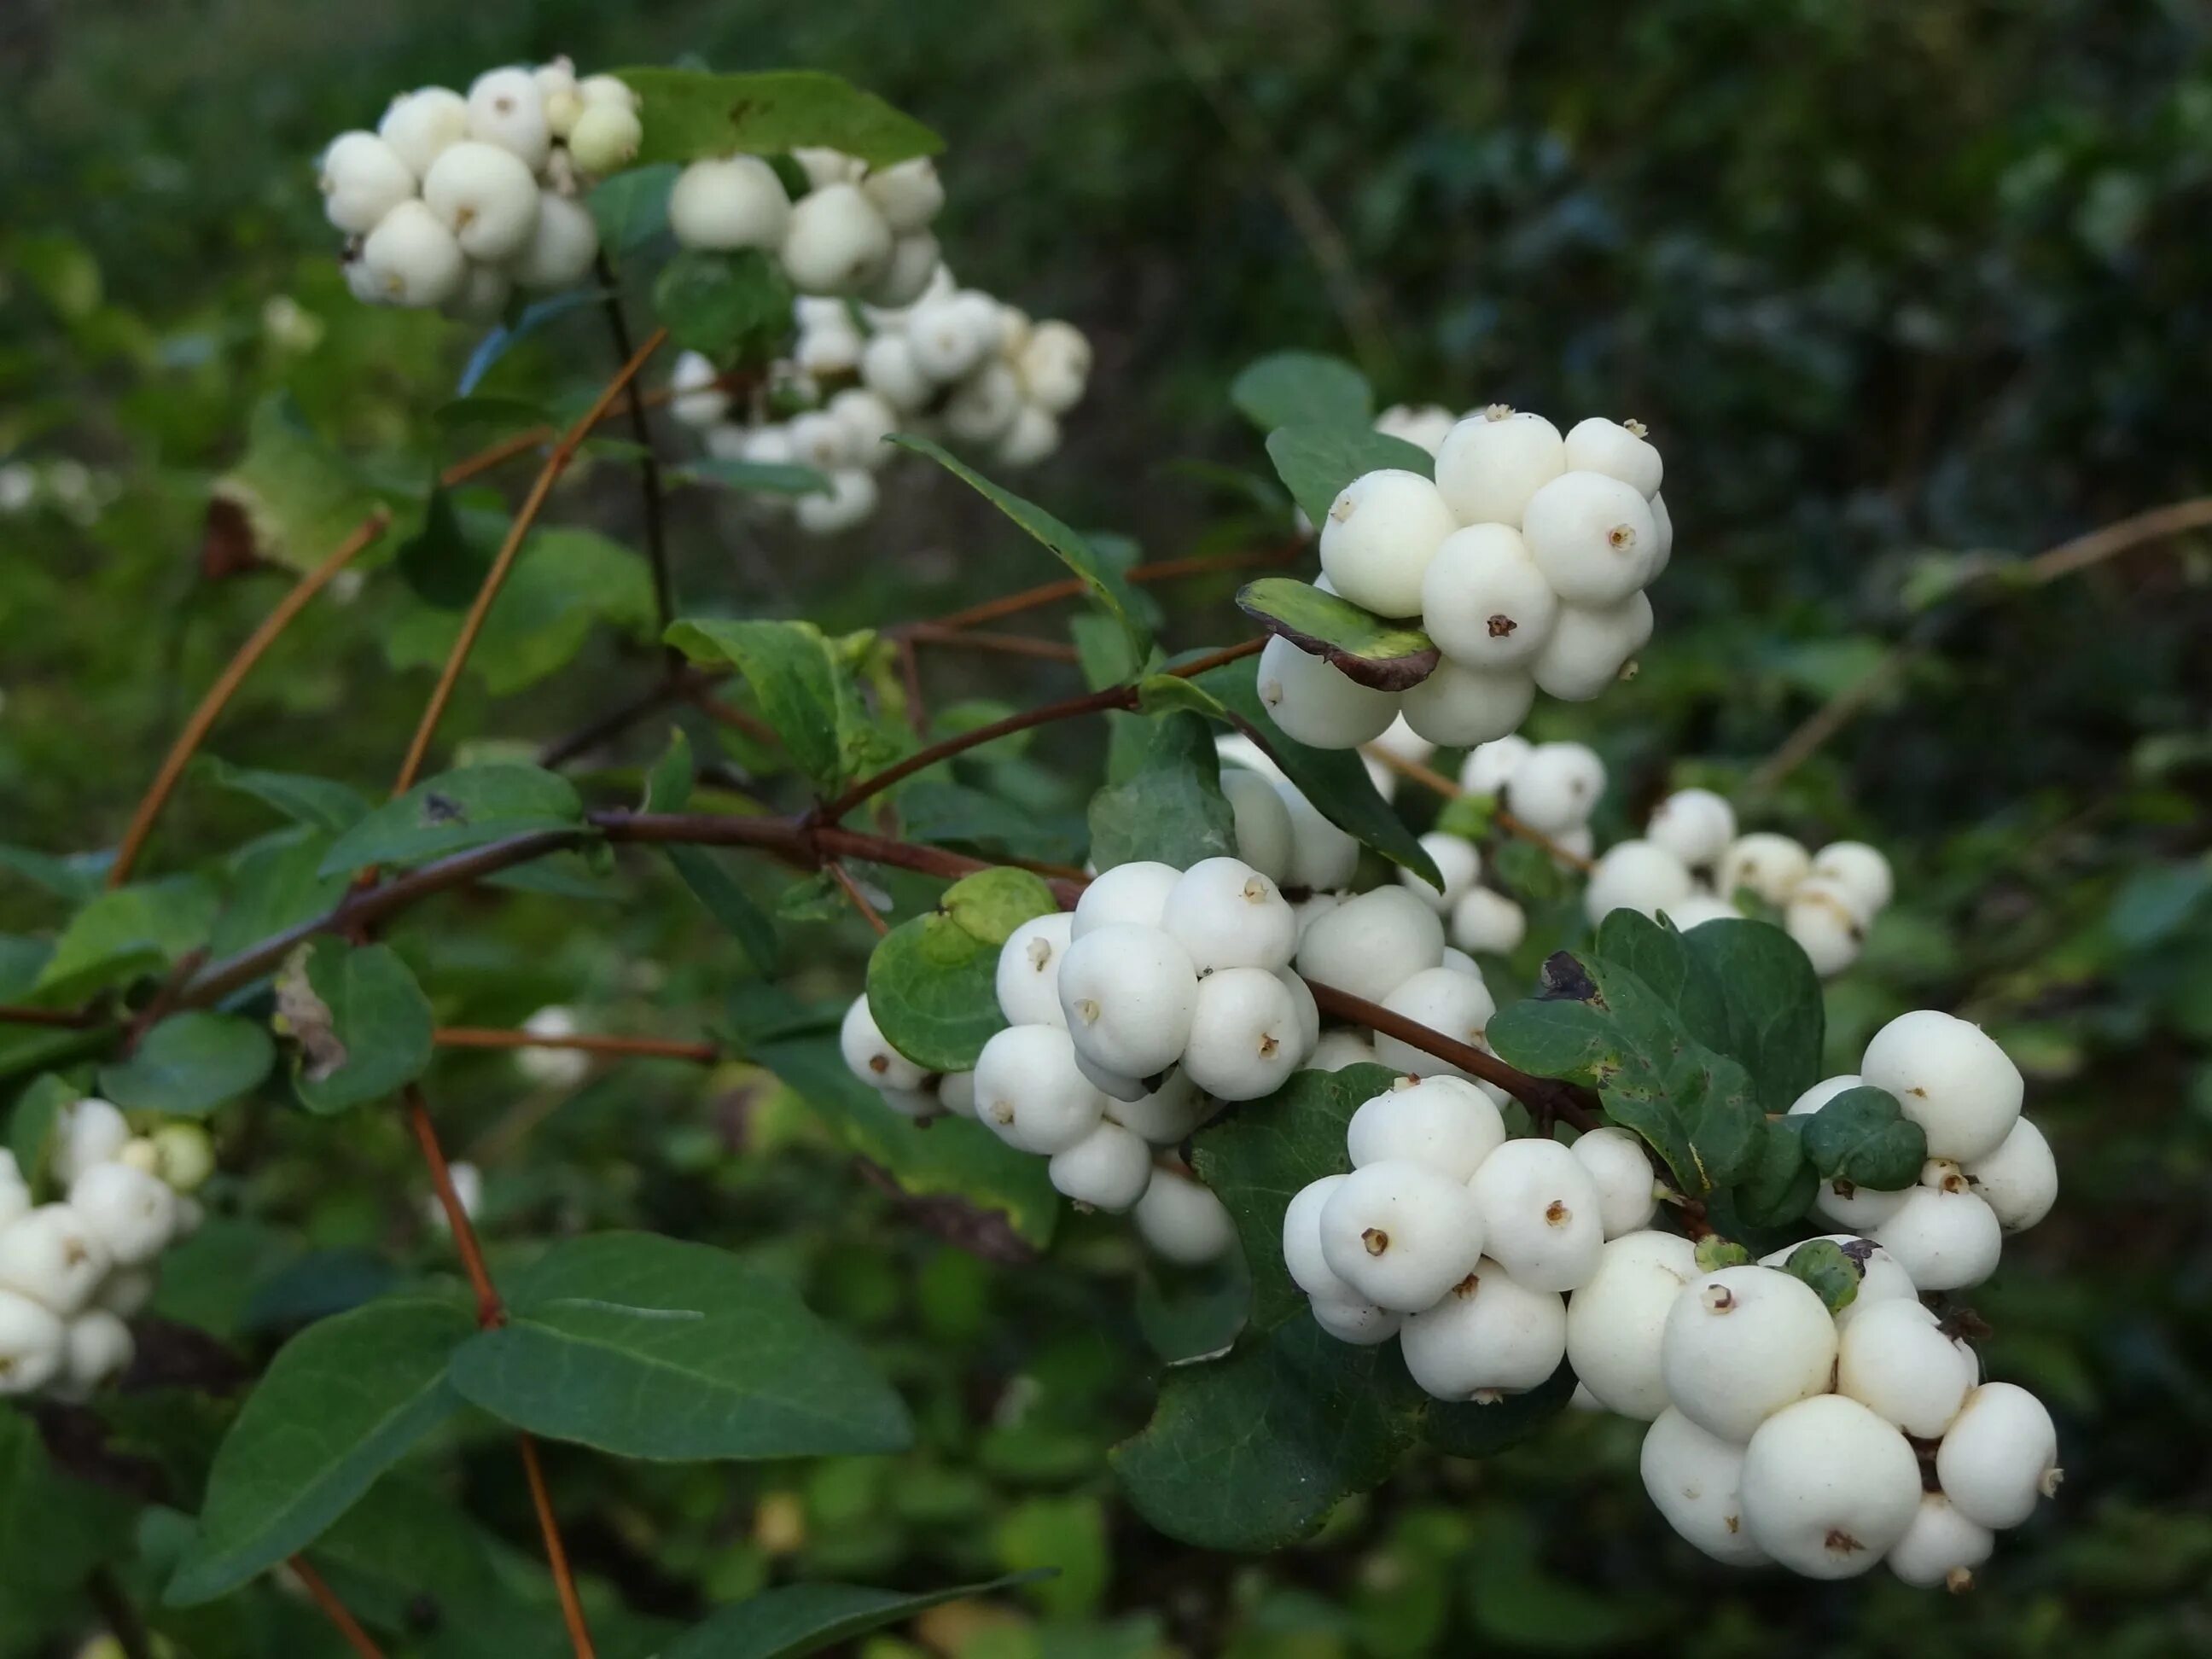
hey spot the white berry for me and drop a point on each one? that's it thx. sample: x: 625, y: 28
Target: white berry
x: 53, y: 1257
x: 1695, y: 825
x: 1301, y: 1252
x: 97, y: 1348
x: 1627, y: 1195
x: 1617, y: 448
x: 1950, y: 1078
x: 560, y: 249
x: 835, y: 242
x: 1030, y: 1092
x: 732, y: 203
x: 32, y: 1343
x: 130, y: 1211
x: 1695, y: 1479
x: 1134, y: 893
x: 1316, y: 703
x: 1884, y: 1278
x: 1184, y: 1221
x: 1379, y: 536
x: 1491, y: 1335
x: 605, y: 137
x: 1322, y: 856
x: 1771, y: 866
x: 2019, y: 1181
x: 1941, y: 1546
x: 1371, y: 945
x: 1539, y: 1214
x: 87, y: 1132
x: 1742, y: 1343
x: 419, y: 126
x: 1491, y: 766
x: 1592, y: 536
x: 1263, y: 824
x: 1129, y: 992
x: 1109, y: 1169
x: 507, y: 109
x: 1828, y: 924
x: 1635, y: 875
x: 2000, y: 1454
x: 1457, y: 862
x: 1246, y: 1037
x: 1360, y: 1323
x: 1897, y: 1360
x: 1486, y: 921
x: 1947, y: 1240
x: 1859, y: 870
x: 1556, y: 786
x: 1400, y: 1235
x: 411, y: 258
x: 1491, y: 464
x: 1590, y: 647
x: 1459, y: 705
x: 1442, y: 1123
x: 1166, y: 1114
x: 1617, y: 1319
x: 363, y: 178
x: 1456, y: 1004
x: 1484, y: 601
x: 868, y: 1053
x: 1028, y: 978
x: 1828, y: 1487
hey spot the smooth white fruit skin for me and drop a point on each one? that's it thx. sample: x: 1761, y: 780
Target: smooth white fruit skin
x: 1627, y: 1195
x: 363, y: 178
x: 1860, y: 870
x: 1338, y: 1049
x: 1491, y: 766
x: 1226, y: 915
x: 867, y: 420
x: 1034, y: 436
x: 1946, y: 1241
x: 1951, y: 1079
x: 1635, y: 875
x: 1245, y: 1036
x: 411, y: 260
x: 1402, y: 741
x: 1427, y: 425
x: 15, y: 1191
x: 820, y: 440
x: 1028, y: 977
x: 605, y: 139
x: 1539, y: 1214
x: 851, y: 499
x: 86, y: 1131
x: 1184, y: 1221
x: 1613, y: 448
x: 1695, y: 1479
x: 2019, y: 1180
x: 1826, y: 926
x: 1457, y: 705
x: 1306, y: 1010
x: 486, y: 196
x: 1378, y: 537
x: 1168, y: 1114
x: 1459, y: 963
x: 868, y: 1053
x: 1492, y: 462
x: 1134, y: 893
x: 1314, y: 906
x: 1114, y: 1086
x: 1360, y: 1323
x: 1616, y: 1320
x: 1442, y: 1123
x: 1486, y: 921
x: 1263, y: 824
x: 1315, y: 704
x: 32, y: 1345
x: 1771, y: 866
x: 1030, y: 1092
x: 908, y: 194
x: 1897, y: 1361
x: 1322, y: 856
x: 1301, y: 1252
x: 1861, y: 1209
x: 827, y: 351
x: 1109, y: 1169
x: 131, y: 1211
x: 984, y: 404
x: 823, y: 166
x: 97, y: 1348
x: 560, y: 251
x: 1556, y: 787
x: 1056, y: 364
x: 948, y: 339
x: 1483, y: 600
x: 836, y: 242
x: 419, y: 126
x: 1400, y: 1235
x: 1742, y: 1343
x: 1445, y: 1000
x: 1372, y: 943
x: 1592, y: 536
x: 1130, y: 994
x: 888, y: 368
x: 1664, y: 554
x: 955, y: 1093
x: 1885, y: 1280
x: 698, y: 401
x: 733, y: 203
x: 1941, y: 1546
x: 1828, y: 1487
x: 2000, y: 1454
x: 507, y: 109
x: 1590, y: 647
x: 53, y: 1257
x: 1490, y: 1334
x: 1457, y: 862
x: 1695, y: 825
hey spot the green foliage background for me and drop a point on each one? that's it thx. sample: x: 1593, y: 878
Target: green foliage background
x: 1899, y: 287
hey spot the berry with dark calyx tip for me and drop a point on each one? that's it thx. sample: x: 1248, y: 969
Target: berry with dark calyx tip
x: 1593, y: 537
x: 605, y: 137
x: 1400, y: 1235
x: 869, y: 1056
x: 1942, y: 1546
x: 1130, y: 994
x: 1109, y: 1169
x: 1999, y: 1456
x: 130, y: 1211
x: 1947, y: 1240
x: 1491, y: 464
x: 1164, y: 1115
x: 1742, y: 1343
x: 1695, y: 1479
x: 1620, y: 449
x: 1134, y: 893
x: 1617, y: 1317
x: 1360, y: 1323
x: 1182, y: 1220
x: 1491, y: 1335
x: 1378, y: 537
x: 1539, y: 1214
x: 1484, y: 601
x: 1030, y: 1092
x: 1771, y: 866
x: 1442, y: 1123
x: 1828, y: 1487
x: 1028, y: 980
x: 1245, y: 1034
x: 1556, y: 786
x: 1897, y: 1360
x: 53, y: 1257
x: 507, y: 109
x: 32, y: 1344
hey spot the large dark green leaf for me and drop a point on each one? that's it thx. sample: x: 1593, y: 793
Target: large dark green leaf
x: 362, y: 1024
x: 456, y: 810
x: 1776, y: 1017
x: 189, y: 1064
x: 1317, y: 461
x: 1170, y: 806
x: 1301, y: 388
x: 1390, y: 656
x: 126, y: 932
x: 715, y: 887
x: 931, y: 980
x: 792, y: 1619
x: 688, y: 113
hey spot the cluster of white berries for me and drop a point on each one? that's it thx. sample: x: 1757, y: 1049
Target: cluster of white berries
x: 71, y: 1272
x: 456, y: 201
x: 857, y: 233
x: 1525, y: 557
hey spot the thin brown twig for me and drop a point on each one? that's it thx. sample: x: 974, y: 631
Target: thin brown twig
x: 335, y: 1610
x: 69, y: 1020
x: 556, y: 1552
x: 1069, y: 587
x: 164, y: 999
x: 1429, y: 778
x: 226, y: 685
x: 1008, y: 645
x: 648, y: 464
x: 851, y: 889
x: 479, y: 1036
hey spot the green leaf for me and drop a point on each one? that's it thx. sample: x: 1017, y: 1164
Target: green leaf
x: 563, y: 584
x: 362, y: 1023
x: 1714, y: 1253
x: 1465, y: 1429
x: 76, y: 879
x: 294, y: 496
x: 189, y: 1064
x: 716, y: 889
x: 31, y: 1125
x: 1778, y: 1187
x: 668, y: 785
x: 1862, y: 1136
x: 1776, y: 1019
x: 631, y: 208
x: 1258, y: 1156
x: 55, y: 1529
x: 954, y: 815
x: 649, y: 1347
x: 931, y: 980
x: 801, y: 679
x: 455, y: 810
x: 1363, y: 648
x: 1193, y: 1313
x: 792, y: 1619
x: 1315, y: 462
x: 761, y: 477
x: 1103, y: 581
x: 442, y: 563
x: 1171, y: 807
x: 725, y: 305
x: 1301, y: 388
x: 688, y: 113
x: 319, y: 803
x: 276, y: 884
x: 341, y: 1403
x: 126, y: 932
x: 1831, y: 1271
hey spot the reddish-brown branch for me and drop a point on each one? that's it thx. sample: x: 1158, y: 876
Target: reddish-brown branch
x: 472, y: 625
x: 335, y: 1610
x: 730, y: 715
x: 1069, y: 587
x: 226, y: 685
x: 851, y: 889
x: 556, y: 1552
x: 68, y: 1019
x: 478, y: 1037
x: 1430, y: 779
x: 1007, y: 645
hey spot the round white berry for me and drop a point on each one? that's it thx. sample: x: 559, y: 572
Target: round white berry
x: 1427, y: 425
x: 1129, y: 992
x: 1616, y: 1320
x: 1338, y: 1049
x: 1491, y: 1335
x: 562, y: 246
x: 419, y: 126
x: 1897, y: 1360
x: 1109, y: 1169
x: 363, y: 178
x: 1695, y: 1480
x: 1182, y: 1220
x: 1134, y: 893
x: 868, y: 1053
x: 1263, y: 825
x: 1030, y: 1093
x: 184, y: 1156
x: 97, y: 1348
x: 1457, y: 862
x: 1947, y: 1240
x: 411, y: 258
x: 1114, y: 1086
x: 1770, y: 865
x: 1617, y: 448
x: 1028, y: 979
x: 507, y: 109
x: 1491, y: 464
x: 1371, y: 945
x: 699, y: 399
x: 2019, y: 1181
x: 1034, y: 436
x: 51, y: 1256
x: 1322, y: 856
x: 916, y: 260
x: 1695, y: 825
x: 1316, y: 704
x: 984, y: 404
x: 1590, y: 647
x: 907, y: 193
x: 1941, y: 1546
x: 1950, y: 1078
x: 1302, y: 1006
x: 1455, y: 705
x: 732, y: 203
x: 87, y: 1132
x: 1246, y: 1037
x: 955, y: 1093
x: 827, y: 350
x: 1446, y: 1001
x: 1556, y: 786
x: 1486, y: 921
x: 888, y: 368
x: 130, y: 1211
x: 605, y: 137
x: 1442, y: 1123
x: 1491, y: 766
x: 1592, y: 536
x: 1360, y: 1323
x: 1827, y: 924
x: 1301, y: 1252
x: 1635, y: 875
x: 1227, y: 914
x: 867, y: 420
x: 32, y: 1344
x: 1742, y: 1343
x: 1828, y: 1487
x: 1166, y: 1114
x: 850, y: 499
x: 2000, y: 1454
x: 486, y: 196
x: 823, y: 166
x: 1483, y: 600
x: 1400, y: 1235
x: 948, y: 340
x: 1055, y: 365
x: 1859, y: 870
x: 1539, y: 1214
x: 820, y: 440
x: 1378, y: 537
x: 1627, y: 1195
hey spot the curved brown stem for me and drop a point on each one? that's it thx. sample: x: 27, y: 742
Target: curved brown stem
x: 336, y: 1611
x: 479, y: 1036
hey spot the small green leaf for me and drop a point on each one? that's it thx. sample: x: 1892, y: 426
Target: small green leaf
x: 1861, y: 1136
x: 1715, y: 1253
x: 791, y: 1620
x: 728, y: 305
x: 992, y: 903
x: 362, y: 1024
x: 125, y: 932
x: 456, y: 810
x: 319, y: 803
x: 688, y: 113
x: 801, y: 681
x: 441, y: 562
x: 931, y: 980
x: 1170, y: 808
x: 75, y: 878
x: 292, y: 495
x: 1301, y: 388
x: 1823, y: 1264
x: 1361, y: 646
x: 1315, y: 462
x: 631, y: 207
x: 668, y: 785
x: 31, y: 1125
x: 189, y: 1064
x: 716, y: 889
x: 341, y: 1403
x: 761, y: 477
